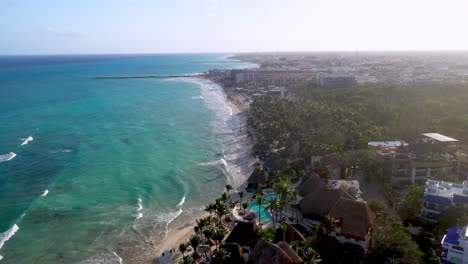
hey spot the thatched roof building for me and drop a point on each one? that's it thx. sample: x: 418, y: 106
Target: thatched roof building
x: 244, y: 234
x: 354, y: 218
x: 292, y: 234
x: 290, y: 252
x: 313, y: 184
x: 259, y: 176
x: 235, y: 252
x: 267, y: 253
x: 316, y: 205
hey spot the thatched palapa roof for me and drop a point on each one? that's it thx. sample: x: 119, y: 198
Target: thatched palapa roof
x: 242, y: 234
x: 267, y: 253
x: 316, y: 205
x: 356, y: 218
x: 259, y: 176
x: 313, y: 184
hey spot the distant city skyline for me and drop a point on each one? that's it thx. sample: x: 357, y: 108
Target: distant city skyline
x: 218, y: 26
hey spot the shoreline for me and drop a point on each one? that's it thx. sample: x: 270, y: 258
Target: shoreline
x: 181, y: 230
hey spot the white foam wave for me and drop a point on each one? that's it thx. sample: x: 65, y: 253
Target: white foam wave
x: 66, y: 150
x: 169, y: 218
x: 27, y: 140
x: 198, y: 97
x: 1, y: 257
x: 7, y: 157
x: 140, y: 206
x: 45, y: 193
x: 119, y: 259
x: 221, y: 161
x: 139, y: 215
x: 182, y: 201
x: 4, y: 237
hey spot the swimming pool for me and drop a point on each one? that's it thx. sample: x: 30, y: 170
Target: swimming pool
x: 265, y: 215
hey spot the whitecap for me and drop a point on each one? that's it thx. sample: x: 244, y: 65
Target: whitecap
x: 140, y: 206
x: 221, y: 161
x: 4, y: 237
x: 45, y: 193
x: 27, y: 140
x: 182, y: 201
x: 66, y: 150
x: 138, y: 216
x: 119, y: 259
x: 7, y: 157
x: 198, y: 97
x: 1, y: 257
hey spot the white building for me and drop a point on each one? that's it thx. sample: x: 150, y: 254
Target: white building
x: 455, y: 245
x: 440, y: 195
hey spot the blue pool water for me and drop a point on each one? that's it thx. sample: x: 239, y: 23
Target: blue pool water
x: 265, y: 216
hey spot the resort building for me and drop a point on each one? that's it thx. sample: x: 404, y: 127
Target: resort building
x: 336, y: 81
x: 440, y: 195
x: 353, y: 222
x: 455, y: 246
x: 433, y: 155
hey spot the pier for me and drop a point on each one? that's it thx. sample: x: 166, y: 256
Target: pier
x: 149, y: 76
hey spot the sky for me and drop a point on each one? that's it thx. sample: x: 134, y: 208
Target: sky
x: 200, y: 26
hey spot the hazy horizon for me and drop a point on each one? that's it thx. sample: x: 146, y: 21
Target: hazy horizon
x: 221, y: 26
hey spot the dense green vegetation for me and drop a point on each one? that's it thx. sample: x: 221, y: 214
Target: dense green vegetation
x: 329, y: 120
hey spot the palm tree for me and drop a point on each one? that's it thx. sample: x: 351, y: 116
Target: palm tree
x: 221, y: 256
x: 186, y: 260
x: 220, y: 210
x: 327, y: 224
x: 182, y: 248
x: 228, y: 187
x: 224, y: 197
x: 219, y: 235
x: 274, y: 206
x: 241, y: 195
x: 294, y: 193
x: 208, y: 233
x: 210, y: 208
x: 259, y: 198
x: 194, y: 243
x: 245, y: 205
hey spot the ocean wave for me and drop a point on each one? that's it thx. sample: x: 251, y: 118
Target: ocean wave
x: 169, y: 218
x: 198, y: 97
x: 104, y: 258
x: 7, y: 157
x: 119, y: 259
x: 182, y: 201
x: 45, y: 193
x: 221, y: 161
x: 4, y: 237
x: 139, y: 214
x: 27, y: 140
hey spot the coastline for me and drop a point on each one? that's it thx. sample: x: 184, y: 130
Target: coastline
x: 181, y: 230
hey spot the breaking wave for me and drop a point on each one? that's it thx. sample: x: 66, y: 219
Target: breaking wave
x: 27, y: 140
x: 182, y: 201
x: 221, y: 161
x: 45, y: 193
x: 139, y: 208
x: 7, y: 157
x: 4, y: 237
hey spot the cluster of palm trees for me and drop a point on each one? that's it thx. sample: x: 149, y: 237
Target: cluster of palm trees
x: 286, y: 195
x: 207, y: 230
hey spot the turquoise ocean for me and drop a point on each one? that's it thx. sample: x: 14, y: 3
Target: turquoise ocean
x: 92, y: 170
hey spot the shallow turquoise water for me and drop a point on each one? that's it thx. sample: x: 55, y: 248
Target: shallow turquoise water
x: 265, y: 215
x: 112, y: 162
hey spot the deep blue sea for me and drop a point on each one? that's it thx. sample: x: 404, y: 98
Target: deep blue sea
x: 92, y: 168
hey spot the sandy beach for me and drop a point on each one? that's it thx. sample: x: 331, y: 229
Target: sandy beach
x: 180, y: 230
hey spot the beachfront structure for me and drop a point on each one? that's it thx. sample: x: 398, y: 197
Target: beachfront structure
x: 455, y: 246
x: 440, y: 195
x: 434, y: 154
x: 336, y: 80
x: 353, y: 222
